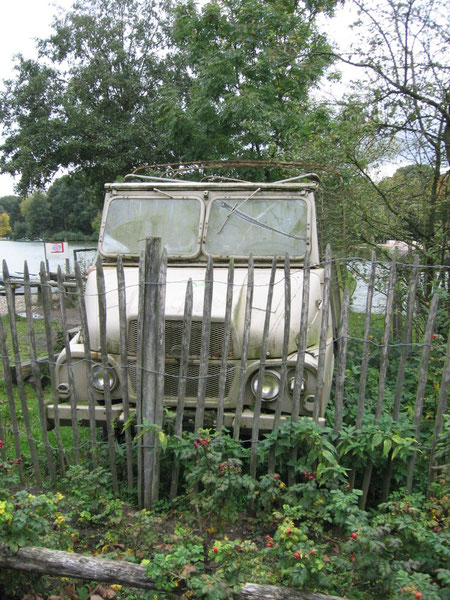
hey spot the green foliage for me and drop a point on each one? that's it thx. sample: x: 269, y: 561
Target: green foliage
x: 11, y: 206
x: 33, y: 520
x: 91, y: 497
x: 179, y: 563
x: 5, y: 227
x: 216, y: 486
x: 315, y: 447
x: 253, y: 64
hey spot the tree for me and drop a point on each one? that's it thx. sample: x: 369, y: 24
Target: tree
x: 121, y: 83
x: 36, y: 212
x: 5, y: 227
x: 404, y: 51
x: 11, y: 206
x: 87, y: 104
x: 248, y: 68
x: 72, y: 204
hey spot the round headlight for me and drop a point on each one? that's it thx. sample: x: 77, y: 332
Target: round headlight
x: 291, y: 384
x: 99, y: 375
x: 270, y: 385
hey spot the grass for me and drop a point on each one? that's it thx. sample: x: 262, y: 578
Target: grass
x: 36, y: 429
x: 23, y: 337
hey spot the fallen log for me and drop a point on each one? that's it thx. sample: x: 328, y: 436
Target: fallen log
x: 272, y: 592
x: 69, y: 564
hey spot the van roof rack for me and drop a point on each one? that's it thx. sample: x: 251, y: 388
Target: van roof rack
x: 172, y: 170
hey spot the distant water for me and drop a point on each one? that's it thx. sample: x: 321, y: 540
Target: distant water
x: 16, y: 253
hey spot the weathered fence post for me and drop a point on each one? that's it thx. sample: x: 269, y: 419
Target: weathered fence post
x: 421, y: 385
x: 204, y: 347
x: 46, y: 298
x: 323, y: 334
x: 37, y: 375
x: 72, y: 397
x: 122, y: 299
x: 341, y: 360
x: 262, y: 367
x: 441, y: 410
x: 284, y: 355
x: 382, y: 376
x: 20, y: 383
x: 159, y: 367
x: 102, y: 316
x: 244, y: 349
x: 300, y: 363
x: 88, y: 355
x: 184, y: 356
x: 148, y: 394
x: 225, y: 346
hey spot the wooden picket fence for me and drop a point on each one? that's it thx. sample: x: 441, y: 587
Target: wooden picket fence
x: 48, y: 453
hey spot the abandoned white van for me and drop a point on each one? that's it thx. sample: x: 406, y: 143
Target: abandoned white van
x: 197, y: 220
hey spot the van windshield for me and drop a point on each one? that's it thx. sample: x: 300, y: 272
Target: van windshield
x: 130, y: 220
x: 262, y: 226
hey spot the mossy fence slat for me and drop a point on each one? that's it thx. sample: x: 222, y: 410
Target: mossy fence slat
x: 144, y: 365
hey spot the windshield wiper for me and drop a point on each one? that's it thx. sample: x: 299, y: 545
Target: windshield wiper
x: 233, y: 210
x: 236, y: 206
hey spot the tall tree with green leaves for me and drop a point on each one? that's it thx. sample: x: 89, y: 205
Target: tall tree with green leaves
x: 121, y: 83
x: 249, y: 67
x: 87, y: 103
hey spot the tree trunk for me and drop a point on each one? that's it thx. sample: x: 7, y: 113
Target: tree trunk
x: 78, y: 566
x: 69, y: 564
x: 272, y: 592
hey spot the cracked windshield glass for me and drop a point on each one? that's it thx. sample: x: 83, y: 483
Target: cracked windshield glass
x: 262, y: 226
x: 130, y: 220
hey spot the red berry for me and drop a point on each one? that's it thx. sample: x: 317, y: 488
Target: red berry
x: 296, y: 555
x: 310, y: 477
x: 313, y: 552
x: 434, y: 336
x: 436, y: 529
x: 418, y: 595
x: 269, y: 545
x: 305, y: 473
x: 354, y: 535
x: 314, y: 473
x: 288, y: 530
x: 215, y: 549
x: 268, y: 537
x: 276, y: 476
x: 196, y: 444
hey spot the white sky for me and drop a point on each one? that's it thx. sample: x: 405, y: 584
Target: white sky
x: 23, y: 21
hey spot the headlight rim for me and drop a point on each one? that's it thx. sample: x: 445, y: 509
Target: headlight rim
x: 112, y: 377
x: 254, y: 385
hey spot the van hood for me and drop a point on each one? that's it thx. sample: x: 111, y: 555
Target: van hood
x: 177, y: 278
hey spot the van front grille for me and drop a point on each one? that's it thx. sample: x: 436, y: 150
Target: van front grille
x: 171, y: 379
x: 173, y: 335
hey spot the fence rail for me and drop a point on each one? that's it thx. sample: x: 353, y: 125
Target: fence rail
x: 201, y: 365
